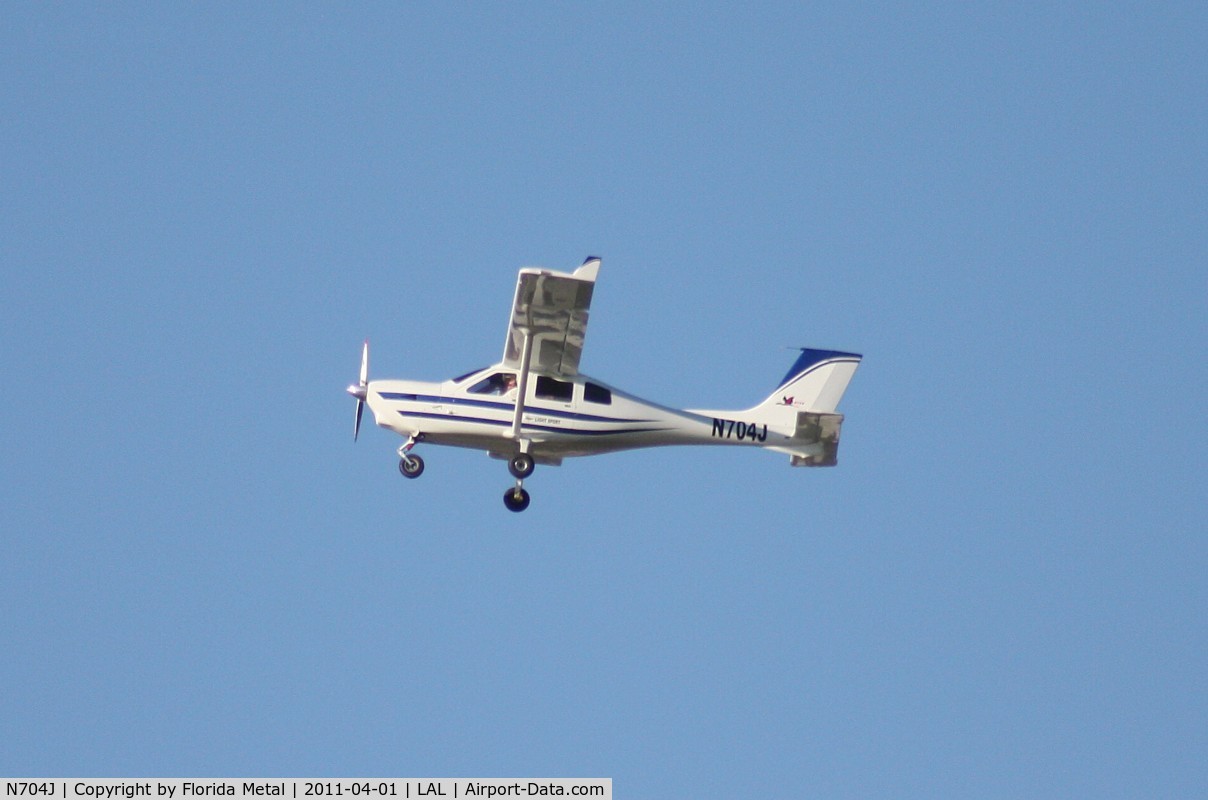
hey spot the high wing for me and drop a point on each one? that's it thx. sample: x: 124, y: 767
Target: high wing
x: 551, y: 307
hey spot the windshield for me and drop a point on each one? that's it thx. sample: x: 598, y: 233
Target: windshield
x: 469, y: 374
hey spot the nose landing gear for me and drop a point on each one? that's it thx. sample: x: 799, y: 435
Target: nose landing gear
x: 411, y: 466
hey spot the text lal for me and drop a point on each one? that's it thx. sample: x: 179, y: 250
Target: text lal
x: 434, y: 789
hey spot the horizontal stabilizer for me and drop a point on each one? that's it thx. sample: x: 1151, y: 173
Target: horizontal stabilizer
x: 819, y: 432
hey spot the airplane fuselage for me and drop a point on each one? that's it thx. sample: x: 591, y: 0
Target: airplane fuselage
x: 562, y: 417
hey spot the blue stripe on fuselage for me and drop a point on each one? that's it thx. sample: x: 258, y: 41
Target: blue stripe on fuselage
x: 500, y: 406
x: 507, y: 424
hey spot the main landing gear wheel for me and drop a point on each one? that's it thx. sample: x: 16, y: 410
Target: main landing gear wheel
x: 521, y: 465
x: 411, y: 466
x: 516, y: 499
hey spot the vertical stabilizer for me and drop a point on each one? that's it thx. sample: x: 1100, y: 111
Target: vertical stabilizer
x: 816, y: 382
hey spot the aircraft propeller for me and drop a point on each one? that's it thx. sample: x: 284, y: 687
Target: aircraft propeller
x: 361, y: 390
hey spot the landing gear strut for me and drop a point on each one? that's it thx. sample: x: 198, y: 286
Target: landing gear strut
x: 411, y: 466
x: 521, y: 466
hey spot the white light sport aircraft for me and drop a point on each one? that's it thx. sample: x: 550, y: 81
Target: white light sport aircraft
x: 535, y: 407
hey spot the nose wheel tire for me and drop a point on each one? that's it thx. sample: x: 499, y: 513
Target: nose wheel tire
x: 521, y: 465
x: 516, y: 499
x: 411, y: 466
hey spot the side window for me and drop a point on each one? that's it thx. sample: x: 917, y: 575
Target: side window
x: 499, y: 383
x: 594, y: 393
x: 551, y: 389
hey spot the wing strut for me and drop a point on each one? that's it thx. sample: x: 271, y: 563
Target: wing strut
x: 526, y: 354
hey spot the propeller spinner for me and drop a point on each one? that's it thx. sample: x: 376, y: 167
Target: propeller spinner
x: 360, y: 390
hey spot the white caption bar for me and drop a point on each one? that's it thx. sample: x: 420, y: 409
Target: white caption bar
x: 304, y: 788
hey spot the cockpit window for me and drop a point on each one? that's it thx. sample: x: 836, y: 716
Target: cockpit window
x: 498, y: 383
x: 551, y: 389
x: 595, y: 393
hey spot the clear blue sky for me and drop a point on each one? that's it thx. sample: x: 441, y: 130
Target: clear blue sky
x: 999, y: 593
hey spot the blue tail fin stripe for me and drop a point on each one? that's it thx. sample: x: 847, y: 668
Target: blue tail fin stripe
x: 811, y: 358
